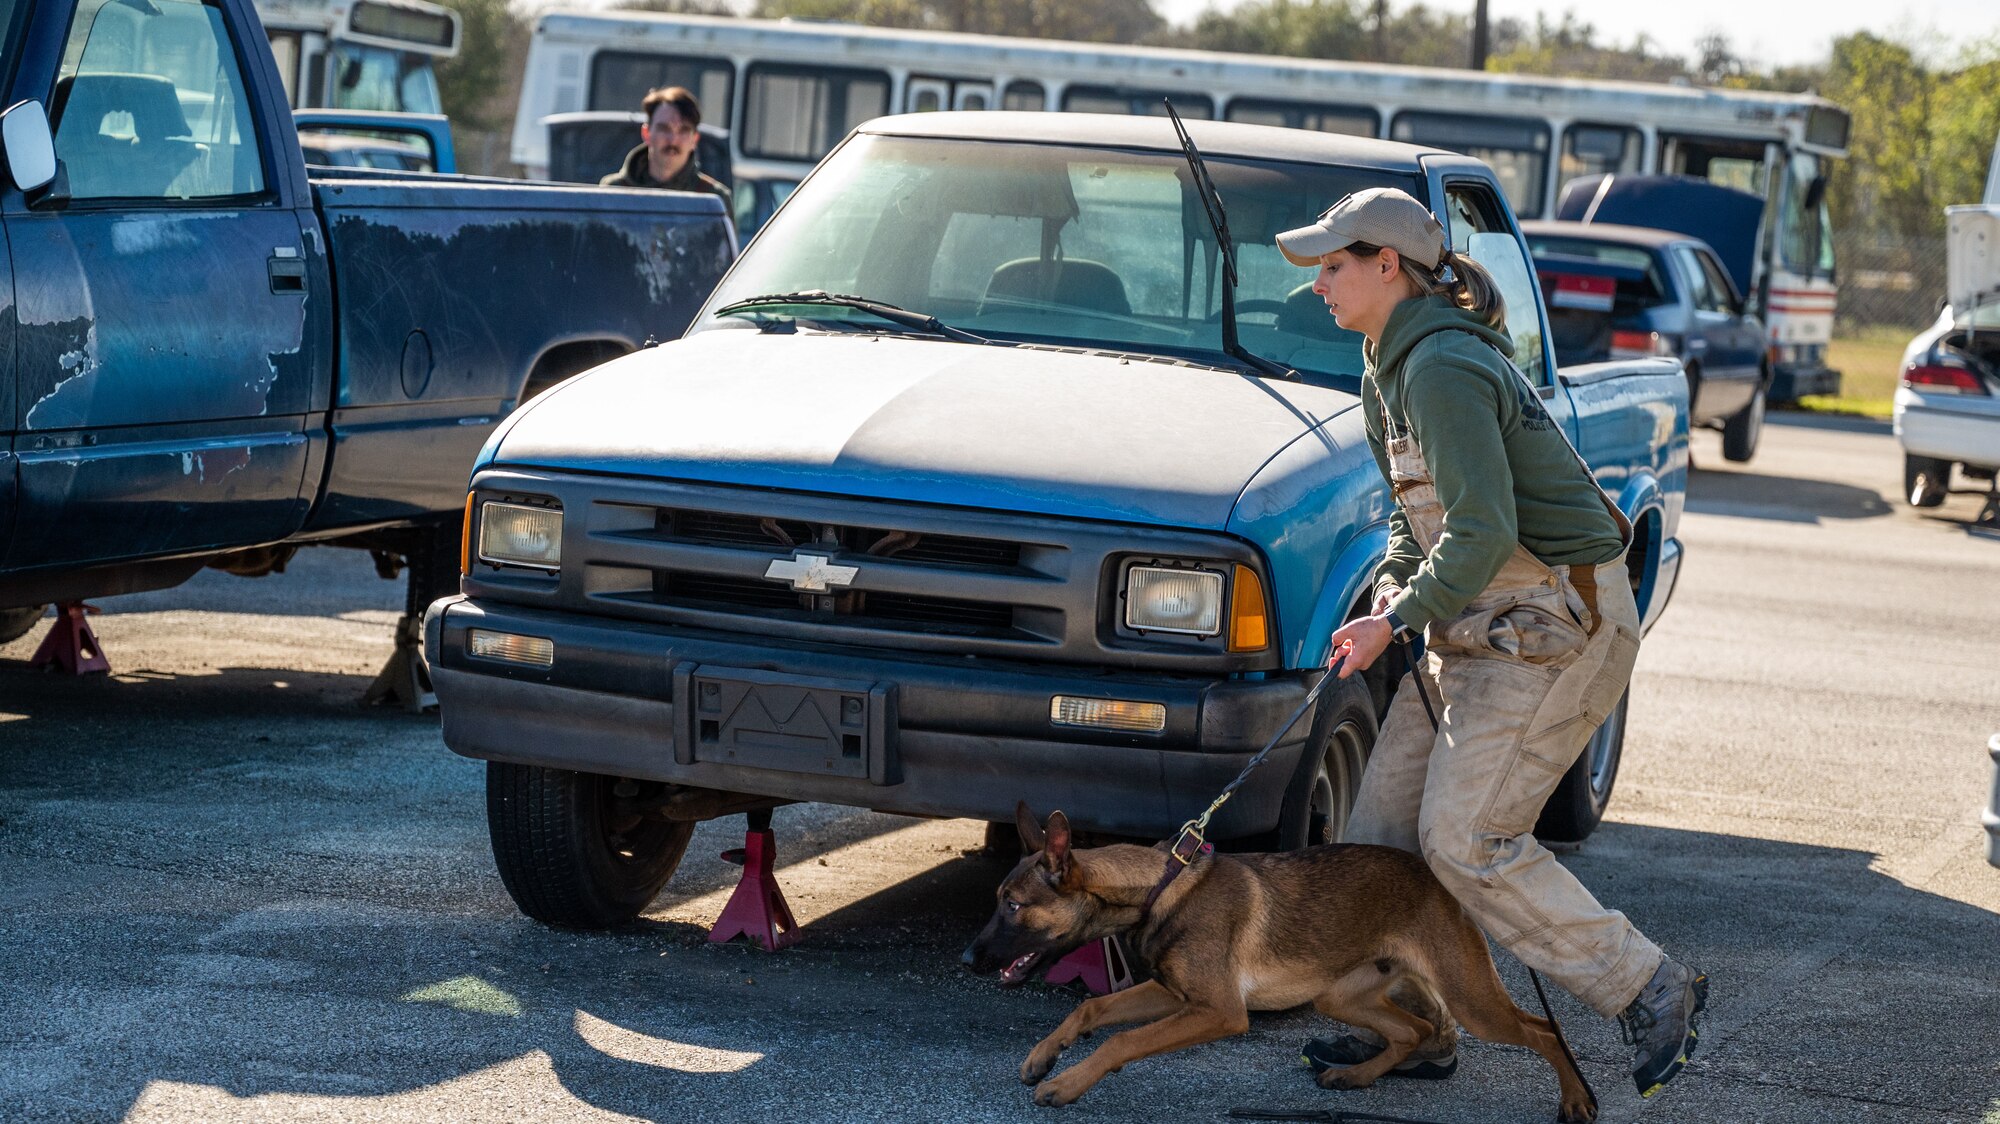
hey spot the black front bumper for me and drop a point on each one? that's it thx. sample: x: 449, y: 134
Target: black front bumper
x: 964, y: 737
x: 1793, y: 381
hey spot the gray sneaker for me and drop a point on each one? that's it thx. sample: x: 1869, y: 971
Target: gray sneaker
x: 1660, y: 1024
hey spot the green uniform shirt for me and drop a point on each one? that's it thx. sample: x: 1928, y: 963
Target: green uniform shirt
x: 1504, y: 472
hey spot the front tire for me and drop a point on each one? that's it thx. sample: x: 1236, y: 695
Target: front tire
x: 1926, y: 480
x: 571, y: 851
x: 1321, y: 794
x: 1577, y: 805
x: 16, y: 623
x: 1744, y: 429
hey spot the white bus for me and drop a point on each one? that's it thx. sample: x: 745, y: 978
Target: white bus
x: 790, y: 90
x: 360, y: 54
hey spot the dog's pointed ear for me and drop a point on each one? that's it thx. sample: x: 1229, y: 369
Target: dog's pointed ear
x: 1032, y: 839
x: 1055, y: 856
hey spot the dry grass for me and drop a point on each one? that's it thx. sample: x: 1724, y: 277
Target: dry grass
x: 1867, y: 360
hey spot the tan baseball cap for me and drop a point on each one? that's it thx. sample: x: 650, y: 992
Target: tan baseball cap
x: 1379, y: 216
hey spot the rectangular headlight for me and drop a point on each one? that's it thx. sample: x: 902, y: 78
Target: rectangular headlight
x: 513, y: 534
x: 1163, y: 600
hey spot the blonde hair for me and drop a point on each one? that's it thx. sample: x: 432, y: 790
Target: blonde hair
x: 1468, y: 284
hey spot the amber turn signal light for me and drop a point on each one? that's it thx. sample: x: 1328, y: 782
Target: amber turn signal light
x: 1249, y: 626
x: 465, y: 539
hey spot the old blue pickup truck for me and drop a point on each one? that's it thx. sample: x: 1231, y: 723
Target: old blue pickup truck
x: 957, y: 495
x: 209, y: 357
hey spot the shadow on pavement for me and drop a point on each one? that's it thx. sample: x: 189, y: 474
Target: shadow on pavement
x: 1829, y: 977
x: 1753, y: 495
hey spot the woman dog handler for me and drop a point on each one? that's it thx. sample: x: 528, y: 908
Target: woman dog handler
x: 1510, y: 561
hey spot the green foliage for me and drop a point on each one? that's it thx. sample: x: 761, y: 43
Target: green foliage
x: 480, y: 84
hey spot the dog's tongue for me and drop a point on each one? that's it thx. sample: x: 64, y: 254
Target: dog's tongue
x: 1018, y: 970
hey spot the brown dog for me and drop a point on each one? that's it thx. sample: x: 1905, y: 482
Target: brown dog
x: 1364, y: 934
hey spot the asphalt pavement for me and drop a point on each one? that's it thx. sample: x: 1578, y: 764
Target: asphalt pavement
x: 231, y: 894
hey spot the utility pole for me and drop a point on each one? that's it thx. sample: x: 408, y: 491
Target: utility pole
x: 1479, y: 35
x: 1381, y: 30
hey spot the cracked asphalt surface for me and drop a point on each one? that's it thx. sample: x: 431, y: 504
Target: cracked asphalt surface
x: 233, y: 895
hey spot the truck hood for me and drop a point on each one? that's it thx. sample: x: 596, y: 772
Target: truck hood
x: 1061, y: 433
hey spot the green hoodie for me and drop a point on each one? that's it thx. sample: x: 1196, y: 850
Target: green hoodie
x: 1504, y: 472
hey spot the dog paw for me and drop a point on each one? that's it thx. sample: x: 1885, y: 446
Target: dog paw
x: 1576, y: 1112
x: 1340, y: 1077
x: 1041, y: 1060
x: 1059, y: 1091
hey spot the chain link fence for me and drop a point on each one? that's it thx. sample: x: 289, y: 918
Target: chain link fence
x: 1888, y: 280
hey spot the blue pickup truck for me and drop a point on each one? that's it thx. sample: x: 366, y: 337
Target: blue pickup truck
x: 210, y: 357
x: 957, y: 495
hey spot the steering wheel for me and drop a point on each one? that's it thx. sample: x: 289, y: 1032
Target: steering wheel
x: 1276, y: 308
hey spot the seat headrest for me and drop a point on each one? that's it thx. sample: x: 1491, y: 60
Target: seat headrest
x: 85, y: 100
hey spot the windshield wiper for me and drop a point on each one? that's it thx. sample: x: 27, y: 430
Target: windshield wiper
x: 1218, y: 221
x: 919, y: 321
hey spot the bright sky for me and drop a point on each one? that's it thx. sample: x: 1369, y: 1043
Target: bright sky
x: 1767, y: 32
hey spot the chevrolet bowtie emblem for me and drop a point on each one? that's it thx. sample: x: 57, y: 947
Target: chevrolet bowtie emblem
x: 810, y: 573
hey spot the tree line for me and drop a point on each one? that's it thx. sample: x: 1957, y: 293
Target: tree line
x: 1923, y: 130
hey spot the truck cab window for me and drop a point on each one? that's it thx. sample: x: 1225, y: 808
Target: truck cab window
x: 149, y: 104
x: 1474, y: 222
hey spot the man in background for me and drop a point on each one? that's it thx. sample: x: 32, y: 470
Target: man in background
x: 666, y: 158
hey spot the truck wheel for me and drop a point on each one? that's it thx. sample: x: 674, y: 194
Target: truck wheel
x: 1743, y: 429
x: 570, y: 851
x: 1323, y: 787
x: 1926, y: 480
x: 1577, y: 805
x: 15, y: 623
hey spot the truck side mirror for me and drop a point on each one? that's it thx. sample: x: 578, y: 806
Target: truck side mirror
x: 30, y: 147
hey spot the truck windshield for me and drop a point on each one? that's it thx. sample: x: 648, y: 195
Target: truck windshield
x: 1048, y: 243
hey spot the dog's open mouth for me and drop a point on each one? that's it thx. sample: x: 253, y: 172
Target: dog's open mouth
x: 1019, y: 971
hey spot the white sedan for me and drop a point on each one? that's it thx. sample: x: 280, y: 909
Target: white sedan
x: 1948, y: 399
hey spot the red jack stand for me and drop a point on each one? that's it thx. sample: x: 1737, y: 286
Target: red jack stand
x: 1100, y: 966
x: 71, y: 647
x: 757, y: 909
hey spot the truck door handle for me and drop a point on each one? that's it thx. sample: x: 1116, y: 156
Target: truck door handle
x: 288, y: 275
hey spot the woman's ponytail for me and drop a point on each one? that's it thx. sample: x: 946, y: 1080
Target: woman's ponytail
x: 1466, y: 282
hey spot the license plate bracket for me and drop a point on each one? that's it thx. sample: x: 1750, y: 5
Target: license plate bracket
x: 788, y: 723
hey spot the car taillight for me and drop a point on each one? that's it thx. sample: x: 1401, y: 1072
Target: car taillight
x: 1932, y: 378
x: 1638, y: 345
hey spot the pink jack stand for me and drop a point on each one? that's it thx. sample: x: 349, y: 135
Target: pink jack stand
x: 71, y: 647
x: 1099, y: 965
x: 757, y: 909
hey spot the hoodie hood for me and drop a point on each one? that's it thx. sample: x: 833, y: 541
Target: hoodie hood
x: 1418, y: 317
x: 1058, y: 433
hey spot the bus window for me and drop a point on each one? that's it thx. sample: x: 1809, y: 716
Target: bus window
x: 1473, y: 219
x: 925, y: 95
x: 1730, y: 161
x: 1139, y: 103
x: 1516, y: 147
x: 1353, y: 120
x: 1595, y: 150
x: 1805, y: 235
x: 619, y: 80
x: 800, y: 112
x: 1027, y: 96
x: 368, y: 77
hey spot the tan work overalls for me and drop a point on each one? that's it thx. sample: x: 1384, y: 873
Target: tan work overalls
x: 1526, y: 673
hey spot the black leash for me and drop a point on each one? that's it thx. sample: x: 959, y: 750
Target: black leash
x: 1417, y: 677
x: 1323, y: 1115
x: 1191, y: 840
